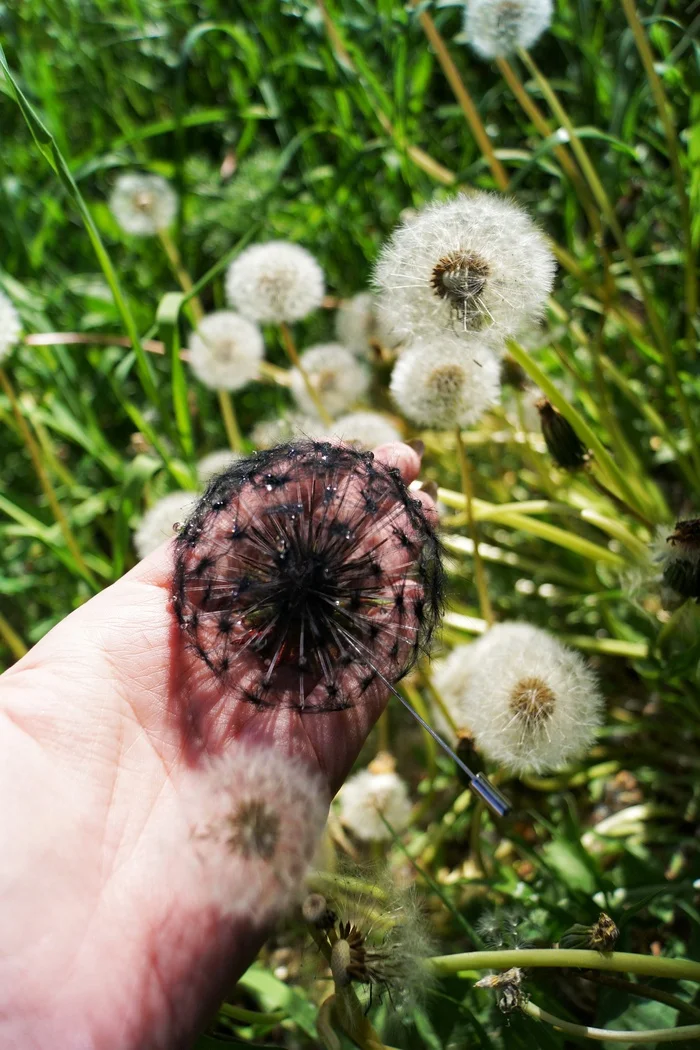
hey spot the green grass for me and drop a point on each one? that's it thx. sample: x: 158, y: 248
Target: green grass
x: 325, y: 138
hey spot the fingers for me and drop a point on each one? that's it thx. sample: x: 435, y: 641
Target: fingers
x: 398, y: 454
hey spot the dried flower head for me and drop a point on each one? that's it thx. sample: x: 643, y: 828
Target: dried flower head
x: 474, y: 263
x: 496, y: 28
x: 256, y: 816
x: 226, y: 350
x: 339, y: 379
x: 143, y: 204
x: 215, y: 463
x: 531, y: 703
x: 509, y: 987
x: 679, y: 555
x: 370, y: 798
x: 601, y: 936
x: 10, y: 326
x: 274, y: 282
x: 306, y: 576
x: 364, y: 430
x: 316, y: 912
x: 161, y: 521
x: 563, y: 443
x: 451, y: 384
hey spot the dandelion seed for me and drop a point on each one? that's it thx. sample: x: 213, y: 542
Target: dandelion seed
x: 10, y: 326
x: 496, y: 28
x: 337, y: 376
x: 275, y: 282
x: 450, y: 385
x: 256, y: 815
x: 474, y: 263
x: 215, y: 463
x: 371, y: 795
x: 143, y: 204
x: 159, y: 521
x: 531, y: 703
x: 226, y: 351
x: 366, y: 430
x: 316, y: 912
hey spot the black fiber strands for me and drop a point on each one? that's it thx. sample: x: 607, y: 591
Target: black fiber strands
x: 306, y: 575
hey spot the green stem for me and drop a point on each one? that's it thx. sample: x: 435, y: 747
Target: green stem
x: 11, y: 639
x: 645, y: 991
x: 228, y: 414
x: 416, y: 700
x: 652, y: 1035
x: 183, y: 277
x: 482, y: 589
x: 292, y: 353
x: 607, y: 646
x: 616, y: 962
x: 238, y: 1013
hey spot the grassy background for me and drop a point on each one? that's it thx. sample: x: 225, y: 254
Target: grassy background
x: 182, y: 89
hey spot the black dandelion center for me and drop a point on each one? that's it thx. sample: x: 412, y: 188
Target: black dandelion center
x: 306, y: 575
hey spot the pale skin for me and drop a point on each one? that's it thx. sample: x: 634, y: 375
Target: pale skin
x: 107, y: 943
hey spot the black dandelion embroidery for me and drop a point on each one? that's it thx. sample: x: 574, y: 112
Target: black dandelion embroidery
x: 306, y: 574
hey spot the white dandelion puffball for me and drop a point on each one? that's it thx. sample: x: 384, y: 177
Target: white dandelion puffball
x: 496, y: 28
x: 367, y: 797
x: 451, y: 677
x: 358, y: 326
x: 157, y: 524
x: 274, y: 282
x: 450, y: 385
x: 143, y: 204
x: 336, y: 375
x: 366, y: 430
x: 477, y: 262
x: 215, y: 463
x: 226, y: 350
x: 256, y: 815
x: 291, y: 427
x: 531, y: 703
x: 10, y: 326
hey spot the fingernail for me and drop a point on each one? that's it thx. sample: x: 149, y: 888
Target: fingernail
x: 430, y: 487
x: 417, y: 445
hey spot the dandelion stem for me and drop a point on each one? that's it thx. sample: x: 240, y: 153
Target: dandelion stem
x: 228, y: 413
x: 178, y: 268
x: 11, y: 639
x: 645, y: 991
x: 557, y: 958
x: 653, y: 1035
x: 292, y: 353
x: 463, y: 97
x: 416, y: 700
x: 238, y: 1013
x: 617, y: 500
x: 45, y: 480
x: 479, y: 571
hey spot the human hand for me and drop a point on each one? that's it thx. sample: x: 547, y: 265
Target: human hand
x: 109, y: 939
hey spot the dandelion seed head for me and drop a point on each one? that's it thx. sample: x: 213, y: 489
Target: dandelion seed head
x: 366, y: 430
x: 294, y: 426
x: 451, y: 677
x: 226, y: 350
x: 275, y: 282
x: 446, y: 385
x: 10, y: 326
x: 215, y: 463
x: 496, y: 28
x: 339, y: 379
x: 677, y: 552
x: 143, y: 204
x: 159, y: 521
x: 474, y: 264
x: 367, y: 797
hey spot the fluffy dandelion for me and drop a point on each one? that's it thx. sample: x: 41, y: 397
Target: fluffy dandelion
x: 531, y: 703
x: 339, y: 379
x: 451, y: 384
x: 496, y: 28
x: 215, y: 463
x: 364, y: 430
x: 375, y: 793
x: 10, y: 326
x: 451, y: 677
x: 275, y: 282
x: 294, y: 426
x: 677, y: 551
x: 226, y: 350
x: 256, y: 815
x: 474, y: 263
x: 143, y: 204
x: 360, y: 325
x: 159, y: 522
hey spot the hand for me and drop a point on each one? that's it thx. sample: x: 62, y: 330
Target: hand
x: 107, y: 941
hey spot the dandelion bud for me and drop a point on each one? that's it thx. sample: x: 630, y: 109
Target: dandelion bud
x: 563, y: 443
x: 160, y: 521
x: 496, y: 28
x: 275, y: 282
x: 215, y: 463
x: 474, y: 263
x: 337, y: 376
x: 10, y: 326
x: 143, y: 204
x: 509, y: 988
x: 600, y: 937
x: 447, y: 385
x: 681, y: 559
x: 365, y: 430
x: 369, y: 796
x: 316, y: 912
x: 226, y: 351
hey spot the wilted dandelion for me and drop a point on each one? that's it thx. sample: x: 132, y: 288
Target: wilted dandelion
x: 508, y: 986
x: 216, y: 462
x: 159, y: 522
x: 226, y: 350
x: 531, y: 703
x: 365, y: 430
x: 256, y: 815
x: 450, y: 385
x: 496, y: 28
x: 336, y: 375
x: 677, y: 550
x: 143, y: 204
x: 474, y: 263
x: 10, y: 326
x: 600, y: 936
x: 275, y: 282
x: 375, y: 793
